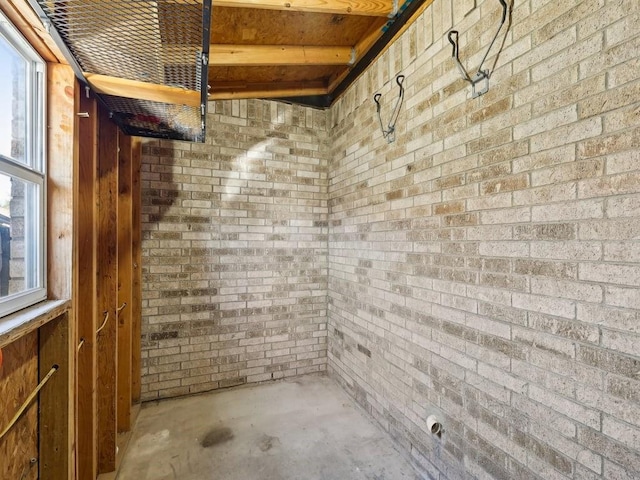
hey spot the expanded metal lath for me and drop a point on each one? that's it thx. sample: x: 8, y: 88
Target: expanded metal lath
x: 144, y: 118
x: 159, y: 42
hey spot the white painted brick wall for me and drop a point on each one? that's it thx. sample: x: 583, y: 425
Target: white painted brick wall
x: 485, y: 266
x: 234, y: 246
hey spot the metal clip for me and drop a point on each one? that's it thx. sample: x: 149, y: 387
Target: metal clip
x: 480, y: 79
x: 46, y: 23
x: 390, y: 132
x: 394, y: 9
x: 354, y: 57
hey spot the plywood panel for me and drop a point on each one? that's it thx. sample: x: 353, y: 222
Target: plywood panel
x: 136, y: 253
x: 125, y: 277
x: 107, y: 294
x: 18, y: 377
x: 271, y: 27
x: 87, y: 312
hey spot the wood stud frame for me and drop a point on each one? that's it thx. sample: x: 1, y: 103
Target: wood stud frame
x: 94, y: 259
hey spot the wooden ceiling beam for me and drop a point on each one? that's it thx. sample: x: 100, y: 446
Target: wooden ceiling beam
x: 278, y: 55
x: 219, y: 91
x: 235, y: 90
x: 371, y: 8
x: 121, y: 87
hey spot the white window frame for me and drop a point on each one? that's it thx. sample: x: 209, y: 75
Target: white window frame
x: 33, y: 171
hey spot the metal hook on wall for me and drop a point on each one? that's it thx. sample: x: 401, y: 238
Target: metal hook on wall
x: 390, y: 132
x: 480, y: 80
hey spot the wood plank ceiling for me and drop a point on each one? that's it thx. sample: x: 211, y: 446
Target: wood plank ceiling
x: 277, y: 49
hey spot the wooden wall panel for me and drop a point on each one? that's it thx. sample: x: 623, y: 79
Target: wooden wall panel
x: 85, y: 264
x: 107, y: 291
x: 18, y: 376
x: 125, y: 277
x: 136, y: 246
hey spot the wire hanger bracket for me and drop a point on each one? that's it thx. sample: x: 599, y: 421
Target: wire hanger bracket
x: 480, y: 79
x: 390, y: 131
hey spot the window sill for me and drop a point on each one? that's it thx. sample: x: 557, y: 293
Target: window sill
x: 25, y: 321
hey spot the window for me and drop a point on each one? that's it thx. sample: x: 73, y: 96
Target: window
x: 22, y: 173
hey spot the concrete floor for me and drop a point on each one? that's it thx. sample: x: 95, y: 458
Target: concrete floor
x: 302, y: 429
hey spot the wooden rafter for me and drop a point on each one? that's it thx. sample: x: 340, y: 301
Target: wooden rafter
x: 219, y: 91
x: 121, y: 87
x: 371, y: 8
x: 271, y: 55
x: 226, y: 91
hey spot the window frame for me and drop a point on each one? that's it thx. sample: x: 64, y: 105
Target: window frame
x: 33, y: 170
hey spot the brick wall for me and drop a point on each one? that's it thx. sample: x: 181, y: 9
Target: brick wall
x: 235, y: 250
x: 485, y: 267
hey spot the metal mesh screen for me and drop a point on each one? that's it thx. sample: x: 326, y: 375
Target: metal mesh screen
x: 144, y: 118
x: 159, y: 42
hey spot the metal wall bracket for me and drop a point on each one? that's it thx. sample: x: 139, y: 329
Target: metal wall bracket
x: 479, y: 83
x: 390, y: 132
x: 480, y: 79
